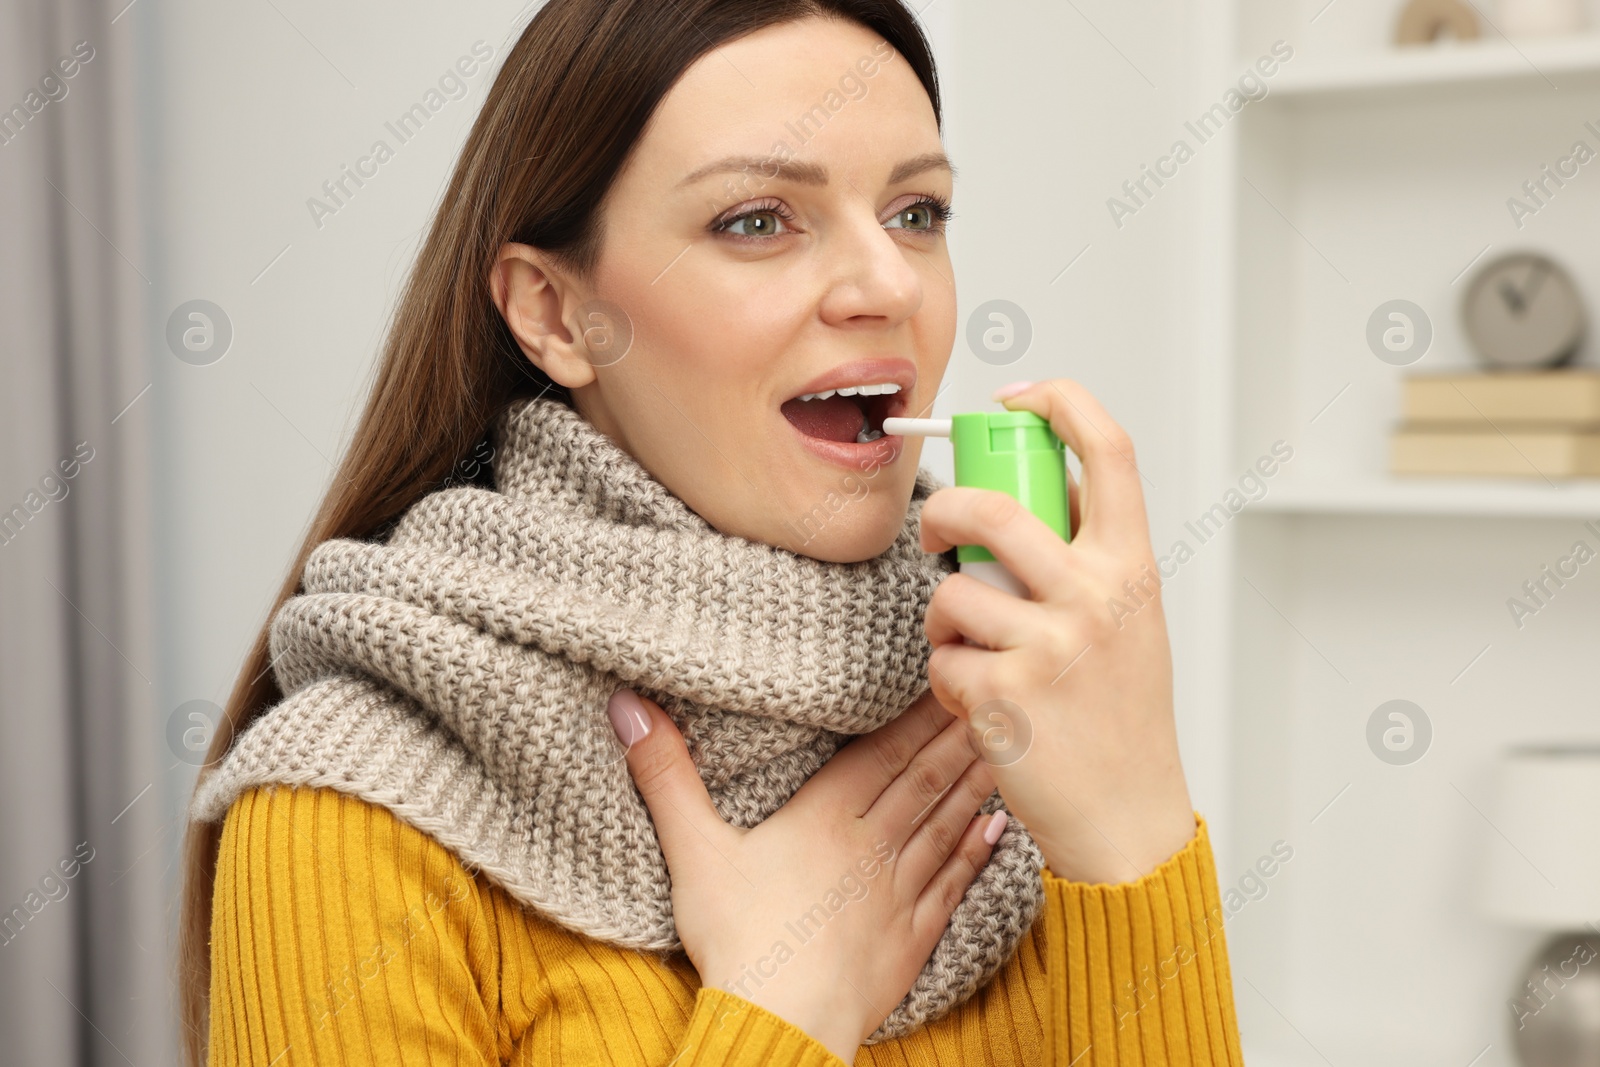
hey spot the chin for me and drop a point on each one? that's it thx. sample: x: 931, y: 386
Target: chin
x: 849, y: 538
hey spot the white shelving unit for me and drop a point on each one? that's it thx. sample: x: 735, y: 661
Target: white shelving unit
x: 1369, y: 174
x: 1488, y: 497
x: 1483, y: 61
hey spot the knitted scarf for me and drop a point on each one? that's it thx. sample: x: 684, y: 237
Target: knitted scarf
x: 457, y: 673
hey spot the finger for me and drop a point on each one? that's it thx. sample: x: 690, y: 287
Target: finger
x: 940, y: 833
x: 1113, y: 504
x: 686, y: 821
x: 944, y: 891
x: 960, y: 677
x: 962, y: 606
x: 860, y: 771
x: 1019, y: 539
x: 931, y: 774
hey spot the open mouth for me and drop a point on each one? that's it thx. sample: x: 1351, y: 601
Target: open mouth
x: 851, y: 414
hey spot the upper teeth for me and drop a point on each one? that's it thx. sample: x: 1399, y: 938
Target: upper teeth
x: 854, y: 390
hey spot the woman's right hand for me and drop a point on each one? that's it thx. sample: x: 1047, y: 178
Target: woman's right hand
x: 884, y: 833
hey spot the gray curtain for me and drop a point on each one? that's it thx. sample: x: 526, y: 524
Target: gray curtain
x: 85, y: 845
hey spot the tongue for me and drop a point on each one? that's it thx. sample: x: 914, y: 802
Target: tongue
x: 837, y: 418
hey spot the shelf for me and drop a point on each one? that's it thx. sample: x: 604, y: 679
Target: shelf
x: 1433, y: 496
x: 1456, y: 63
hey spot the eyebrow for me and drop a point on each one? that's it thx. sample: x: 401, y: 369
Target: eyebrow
x: 814, y: 173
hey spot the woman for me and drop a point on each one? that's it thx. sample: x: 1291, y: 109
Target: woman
x: 676, y: 232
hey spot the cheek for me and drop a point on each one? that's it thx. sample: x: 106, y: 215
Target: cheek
x: 935, y: 324
x: 718, y: 347
x: 706, y: 330
x: 942, y: 323
x: 691, y: 395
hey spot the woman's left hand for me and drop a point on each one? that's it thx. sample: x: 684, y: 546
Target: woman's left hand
x: 1071, y: 691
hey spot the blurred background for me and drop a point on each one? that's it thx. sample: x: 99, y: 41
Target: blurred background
x: 1329, y: 261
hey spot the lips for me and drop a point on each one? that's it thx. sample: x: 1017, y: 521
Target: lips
x: 847, y: 405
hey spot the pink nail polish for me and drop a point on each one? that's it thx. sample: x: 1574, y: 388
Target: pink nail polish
x: 996, y: 827
x: 628, y: 717
x: 1010, y: 390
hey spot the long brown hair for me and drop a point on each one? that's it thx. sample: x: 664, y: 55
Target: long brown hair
x: 560, y: 120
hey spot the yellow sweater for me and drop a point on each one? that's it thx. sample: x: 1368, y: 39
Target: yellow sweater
x: 342, y: 935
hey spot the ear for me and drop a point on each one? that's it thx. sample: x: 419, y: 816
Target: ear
x: 536, y: 299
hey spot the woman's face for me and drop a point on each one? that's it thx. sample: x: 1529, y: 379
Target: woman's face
x: 777, y: 233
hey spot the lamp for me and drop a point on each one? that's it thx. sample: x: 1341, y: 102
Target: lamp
x: 1543, y: 872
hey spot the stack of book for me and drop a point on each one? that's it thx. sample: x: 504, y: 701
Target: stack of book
x: 1542, y: 424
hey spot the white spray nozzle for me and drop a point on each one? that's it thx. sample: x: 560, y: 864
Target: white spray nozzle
x: 917, y: 427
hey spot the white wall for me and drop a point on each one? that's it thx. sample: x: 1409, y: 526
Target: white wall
x: 257, y: 113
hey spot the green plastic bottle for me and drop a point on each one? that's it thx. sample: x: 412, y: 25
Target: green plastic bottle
x: 1015, y: 452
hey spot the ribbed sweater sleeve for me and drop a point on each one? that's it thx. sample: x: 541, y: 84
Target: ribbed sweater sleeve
x: 1138, y: 972
x: 729, y: 1031
x: 342, y: 935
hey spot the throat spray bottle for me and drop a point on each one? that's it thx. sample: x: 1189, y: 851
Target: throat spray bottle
x: 1015, y: 452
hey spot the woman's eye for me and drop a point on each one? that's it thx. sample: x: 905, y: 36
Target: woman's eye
x: 927, y: 214
x: 915, y: 217
x: 921, y: 216
x: 755, y: 224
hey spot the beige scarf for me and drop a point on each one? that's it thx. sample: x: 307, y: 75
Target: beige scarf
x: 458, y: 673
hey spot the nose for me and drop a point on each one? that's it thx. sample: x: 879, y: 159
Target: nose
x: 872, y: 281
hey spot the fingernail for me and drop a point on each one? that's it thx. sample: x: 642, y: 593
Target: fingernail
x: 1010, y: 390
x: 628, y: 717
x: 996, y: 827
